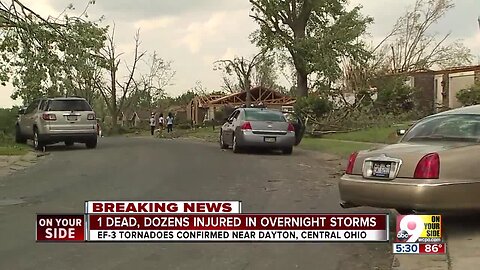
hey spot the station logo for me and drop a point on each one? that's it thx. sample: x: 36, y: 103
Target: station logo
x: 419, y: 228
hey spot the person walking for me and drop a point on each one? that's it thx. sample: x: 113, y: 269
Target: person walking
x: 161, y: 121
x: 152, y: 124
x: 170, y: 123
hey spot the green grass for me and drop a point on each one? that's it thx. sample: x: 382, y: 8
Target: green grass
x: 384, y: 135
x: 332, y: 146
x: 206, y: 134
x: 13, y: 149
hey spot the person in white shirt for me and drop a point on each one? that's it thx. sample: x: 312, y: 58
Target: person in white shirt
x: 152, y: 124
x: 161, y: 121
x: 169, y: 122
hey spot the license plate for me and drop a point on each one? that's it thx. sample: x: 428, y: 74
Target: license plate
x: 381, y: 169
x: 72, y: 118
x: 270, y: 139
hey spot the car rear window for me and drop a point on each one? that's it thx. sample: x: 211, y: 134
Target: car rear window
x: 459, y: 127
x: 262, y: 115
x: 68, y: 105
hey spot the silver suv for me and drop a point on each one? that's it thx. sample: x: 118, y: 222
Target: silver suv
x: 53, y: 120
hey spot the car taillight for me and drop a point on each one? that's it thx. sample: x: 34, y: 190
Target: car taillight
x: 49, y: 117
x: 351, y: 163
x: 91, y: 116
x: 291, y: 128
x: 246, y: 126
x: 428, y: 167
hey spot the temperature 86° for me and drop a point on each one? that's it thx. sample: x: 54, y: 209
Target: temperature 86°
x: 432, y: 248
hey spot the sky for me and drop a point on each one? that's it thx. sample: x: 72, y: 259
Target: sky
x: 194, y: 33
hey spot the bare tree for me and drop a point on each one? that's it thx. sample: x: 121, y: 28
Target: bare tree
x: 409, y: 46
x: 150, y: 87
x: 243, y: 69
x: 415, y: 47
x: 116, y: 92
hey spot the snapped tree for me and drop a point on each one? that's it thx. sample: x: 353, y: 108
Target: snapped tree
x: 316, y: 33
x: 116, y: 92
x: 243, y: 68
x: 150, y: 86
x: 412, y: 45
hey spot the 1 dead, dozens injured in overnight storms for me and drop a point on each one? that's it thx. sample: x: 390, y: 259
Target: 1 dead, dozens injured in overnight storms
x: 263, y: 127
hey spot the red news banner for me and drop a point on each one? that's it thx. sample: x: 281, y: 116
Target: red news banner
x: 125, y: 222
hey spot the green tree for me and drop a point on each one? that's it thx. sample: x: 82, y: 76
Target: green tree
x: 393, y: 95
x: 184, y: 98
x: 469, y: 96
x: 50, y: 56
x: 316, y: 33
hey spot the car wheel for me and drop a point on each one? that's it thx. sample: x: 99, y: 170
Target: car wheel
x: 68, y: 143
x: 91, y: 144
x: 18, y: 136
x: 287, y: 151
x: 37, y: 143
x: 222, y: 141
x: 235, y: 147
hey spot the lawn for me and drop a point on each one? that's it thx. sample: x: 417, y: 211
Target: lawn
x: 14, y: 149
x: 206, y: 134
x: 384, y: 135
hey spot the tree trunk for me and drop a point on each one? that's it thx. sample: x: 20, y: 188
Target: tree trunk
x: 114, y: 120
x: 302, y: 83
x: 299, y: 60
x: 248, y: 99
x: 114, y: 106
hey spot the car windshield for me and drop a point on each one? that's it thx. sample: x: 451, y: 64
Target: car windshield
x: 449, y: 127
x: 264, y: 115
x: 68, y: 105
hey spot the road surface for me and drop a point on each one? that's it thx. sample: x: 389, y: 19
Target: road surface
x: 153, y: 169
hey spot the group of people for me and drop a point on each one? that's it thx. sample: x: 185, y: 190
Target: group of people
x: 161, y: 123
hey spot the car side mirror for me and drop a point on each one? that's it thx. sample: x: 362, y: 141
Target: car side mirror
x: 401, y: 132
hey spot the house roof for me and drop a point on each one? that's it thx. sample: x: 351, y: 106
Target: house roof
x: 458, y: 69
x: 259, y: 94
x: 441, y: 71
x: 176, y: 108
x: 203, y: 101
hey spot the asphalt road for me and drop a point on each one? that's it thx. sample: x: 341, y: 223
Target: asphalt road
x: 151, y: 169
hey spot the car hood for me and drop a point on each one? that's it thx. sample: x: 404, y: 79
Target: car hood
x: 454, y: 156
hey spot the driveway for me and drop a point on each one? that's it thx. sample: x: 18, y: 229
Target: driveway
x: 153, y: 169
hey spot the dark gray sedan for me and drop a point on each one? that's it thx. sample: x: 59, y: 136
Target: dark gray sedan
x: 258, y: 127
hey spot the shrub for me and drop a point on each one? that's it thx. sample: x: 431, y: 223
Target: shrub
x: 223, y: 113
x: 394, y: 96
x: 8, y: 118
x: 469, y: 96
x: 315, y: 106
x: 183, y: 126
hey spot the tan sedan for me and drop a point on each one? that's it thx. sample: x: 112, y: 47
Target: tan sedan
x: 435, y: 166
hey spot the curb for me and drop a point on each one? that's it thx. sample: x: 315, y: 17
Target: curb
x: 419, y: 262
x: 19, y: 163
